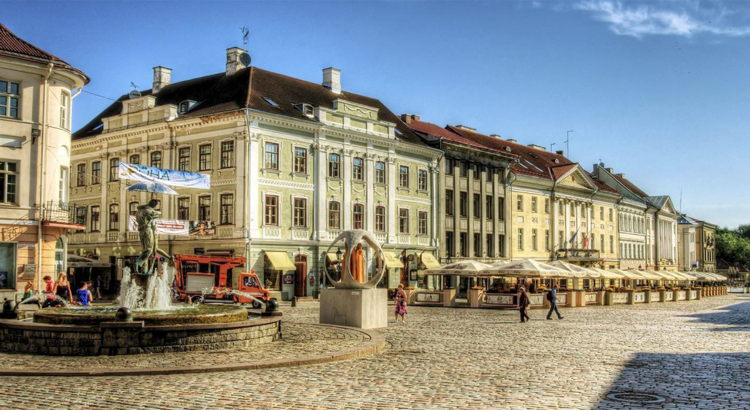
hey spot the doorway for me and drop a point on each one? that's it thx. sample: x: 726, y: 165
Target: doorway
x: 300, y: 277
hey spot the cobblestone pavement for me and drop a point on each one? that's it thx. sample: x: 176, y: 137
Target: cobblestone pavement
x: 666, y: 355
x: 296, y: 338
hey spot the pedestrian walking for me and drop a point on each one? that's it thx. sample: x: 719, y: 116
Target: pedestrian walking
x: 98, y: 287
x: 523, y: 303
x: 400, y: 303
x: 552, y: 298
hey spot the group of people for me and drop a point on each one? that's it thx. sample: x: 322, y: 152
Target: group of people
x: 524, y: 301
x: 55, y: 292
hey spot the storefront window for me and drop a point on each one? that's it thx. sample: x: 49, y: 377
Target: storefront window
x: 7, y: 265
x: 60, y: 256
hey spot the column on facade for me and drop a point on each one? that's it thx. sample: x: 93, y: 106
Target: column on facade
x: 321, y: 188
x: 470, y: 177
x: 589, y: 210
x: 346, y: 202
x: 457, y: 208
x: 435, y: 235
x: 369, y: 191
x: 566, y: 230
x: 555, y: 224
x: 254, y: 153
x: 483, y: 214
x: 496, y: 221
x: 392, y: 211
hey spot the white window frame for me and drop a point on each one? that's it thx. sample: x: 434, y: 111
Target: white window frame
x: 17, y: 184
x: 6, y: 93
x: 64, y: 110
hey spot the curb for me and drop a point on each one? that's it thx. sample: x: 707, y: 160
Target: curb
x: 375, y: 345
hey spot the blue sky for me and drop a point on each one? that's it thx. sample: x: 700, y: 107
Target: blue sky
x: 657, y: 90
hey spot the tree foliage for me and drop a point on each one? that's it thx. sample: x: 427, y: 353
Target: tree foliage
x: 733, y: 245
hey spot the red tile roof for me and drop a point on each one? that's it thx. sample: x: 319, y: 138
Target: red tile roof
x: 13, y: 46
x: 631, y: 186
x: 440, y: 132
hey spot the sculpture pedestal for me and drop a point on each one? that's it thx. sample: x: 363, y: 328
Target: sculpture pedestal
x: 360, y: 308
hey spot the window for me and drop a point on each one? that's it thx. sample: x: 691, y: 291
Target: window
x: 156, y: 159
x: 546, y: 205
x: 477, y: 244
x: 533, y: 204
x: 464, y: 204
x: 95, y: 218
x: 62, y: 187
x: 403, y: 176
x: 204, y: 157
x: 272, y: 156
x: 227, y: 154
x: 357, y: 166
x: 300, y: 213
x: 8, y: 261
x: 114, y: 167
x: 610, y: 214
x: 10, y: 95
x: 489, y: 206
x: 183, y: 163
x: 520, y: 239
x: 132, y: 208
x: 96, y: 173
x: 114, y: 217
x: 449, y: 164
x: 380, y: 172
x: 533, y: 240
x: 475, y: 170
x: 300, y: 161
x: 271, y: 211
x: 64, y: 110
x: 204, y: 208
x: 334, y: 166
x: 592, y: 241
x: 226, y: 203
x: 601, y: 213
x: 490, y: 247
x: 81, y: 215
x: 477, y: 202
x: 501, y: 209
x: 183, y: 209
x: 519, y: 203
x: 358, y: 216
x: 501, y: 246
x: 422, y: 180
x: 561, y: 240
x: 380, y: 218
x: 334, y: 215
x: 611, y: 244
x: 546, y: 240
x: 463, y: 239
x: 449, y: 202
x: 81, y: 175
x: 449, y: 245
x: 561, y: 208
x: 601, y: 243
x: 135, y: 159
x: 489, y: 171
x: 422, y: 226
x: 403, y: 220
x: 464, y: 168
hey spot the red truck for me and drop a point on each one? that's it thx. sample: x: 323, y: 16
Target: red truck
x: 196, y: 274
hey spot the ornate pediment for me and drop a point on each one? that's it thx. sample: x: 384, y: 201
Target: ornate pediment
x: 575, y: 178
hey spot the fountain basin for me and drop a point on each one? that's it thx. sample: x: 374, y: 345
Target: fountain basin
x: 93, y: 331
x: 186, y: 315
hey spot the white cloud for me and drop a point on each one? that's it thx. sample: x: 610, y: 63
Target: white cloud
x: 643, y: 20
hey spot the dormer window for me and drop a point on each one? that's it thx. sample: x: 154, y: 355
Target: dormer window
x: 306, y: 109
x: 186, y: 106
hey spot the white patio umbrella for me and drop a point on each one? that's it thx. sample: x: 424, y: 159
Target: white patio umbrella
x: 462, y: 268
x: 529, y: 268
x: 577, y: 271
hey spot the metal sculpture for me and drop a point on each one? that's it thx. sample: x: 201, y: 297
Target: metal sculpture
x: 351, y: 240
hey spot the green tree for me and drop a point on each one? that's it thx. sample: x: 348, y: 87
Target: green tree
x: 733, y: 246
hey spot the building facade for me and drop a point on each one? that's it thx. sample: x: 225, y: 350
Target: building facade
x: 705, y: 246
x: 292, y: 164
x: 687, y: 258
x: 36, y: 95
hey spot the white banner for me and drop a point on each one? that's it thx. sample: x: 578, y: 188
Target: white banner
x: 164, y: 176
x: 178, y: 227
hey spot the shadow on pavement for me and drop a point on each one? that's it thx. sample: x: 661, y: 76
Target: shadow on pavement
x: 732, y: 318
x: 690, y: 381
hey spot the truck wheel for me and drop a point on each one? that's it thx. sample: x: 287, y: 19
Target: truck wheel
x: 195, y: 300
x: 256, y: 304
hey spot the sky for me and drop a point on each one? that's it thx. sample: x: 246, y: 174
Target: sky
x: 658, y: 90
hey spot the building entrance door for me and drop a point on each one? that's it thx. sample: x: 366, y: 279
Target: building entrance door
x: 300, y: 277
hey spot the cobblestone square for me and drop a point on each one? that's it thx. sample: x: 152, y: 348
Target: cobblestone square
x: 686, y: 355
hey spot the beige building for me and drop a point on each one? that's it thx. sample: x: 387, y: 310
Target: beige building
x: 36, y: 94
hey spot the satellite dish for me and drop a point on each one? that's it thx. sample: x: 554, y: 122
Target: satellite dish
x: 134, y: 94
x: 245, y: 59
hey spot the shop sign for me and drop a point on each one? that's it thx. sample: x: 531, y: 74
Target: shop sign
x: 289, y: 278
x: 29, y: 270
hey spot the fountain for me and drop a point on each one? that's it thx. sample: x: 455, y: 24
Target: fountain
x: 145, y: 318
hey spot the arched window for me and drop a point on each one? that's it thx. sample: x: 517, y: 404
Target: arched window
x: 334, y: 166
x: 114, y: 166
x: 380, y: 218
x: 60, y: 256
x: 334, y: 215
x: 357, y: 169
x: 156, y: 159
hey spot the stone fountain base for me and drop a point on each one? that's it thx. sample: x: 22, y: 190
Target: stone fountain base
x: 90, y: 332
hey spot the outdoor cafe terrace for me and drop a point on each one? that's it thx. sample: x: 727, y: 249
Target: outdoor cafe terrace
x: 496, y: 285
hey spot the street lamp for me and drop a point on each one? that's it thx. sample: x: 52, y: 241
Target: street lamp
x: 338, y: 255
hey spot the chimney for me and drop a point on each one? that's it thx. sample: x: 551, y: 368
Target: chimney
x: 464, y: 127
x: 162, y: 78
x: 539, y: 147
x: 237, y: 59
x: 610, y: 170
x: 560, y: 152
x: 332, y: 79
x: 512, y: 140
x: 621, y: 175
x: 496, y: 136
x: 408, y: 118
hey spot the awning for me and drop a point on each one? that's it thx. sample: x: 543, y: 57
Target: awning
x: 75, y: 261
x: 648, y: 275
x: 680, y: 276
x: 606, y: 274
x: 429, y: 261
x: 688, y: 276
x: 664, y: 275
x: 280, y: 261
x: 629, y: 274
x: 392, y: 261
x: 332, y: 257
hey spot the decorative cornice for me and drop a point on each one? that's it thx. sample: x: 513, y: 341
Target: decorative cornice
x: 286, y: 184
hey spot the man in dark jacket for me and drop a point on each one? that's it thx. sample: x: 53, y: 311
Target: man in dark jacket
x: 552, y: 298
x: 523, y: 303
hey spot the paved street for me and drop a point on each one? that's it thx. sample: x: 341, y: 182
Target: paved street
x: 674, y: 355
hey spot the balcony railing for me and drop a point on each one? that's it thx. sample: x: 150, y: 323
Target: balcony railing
x: 64, y: 213
x: 578, y: 254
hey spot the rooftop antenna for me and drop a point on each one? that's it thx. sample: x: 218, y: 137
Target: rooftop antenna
x: 550, y: 146
x: 134, y: 93
x: 245, y: 36
x: 680, y: 201
x: 567, y: 142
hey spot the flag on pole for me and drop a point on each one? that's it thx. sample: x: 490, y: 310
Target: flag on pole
x: 585, y: 241
x: 572, y: 238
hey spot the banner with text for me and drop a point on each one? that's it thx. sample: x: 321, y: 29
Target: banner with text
x: 177, y: 227
x: 171, y: 177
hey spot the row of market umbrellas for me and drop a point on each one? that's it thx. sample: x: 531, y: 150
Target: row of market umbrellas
x: 529, y: 268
